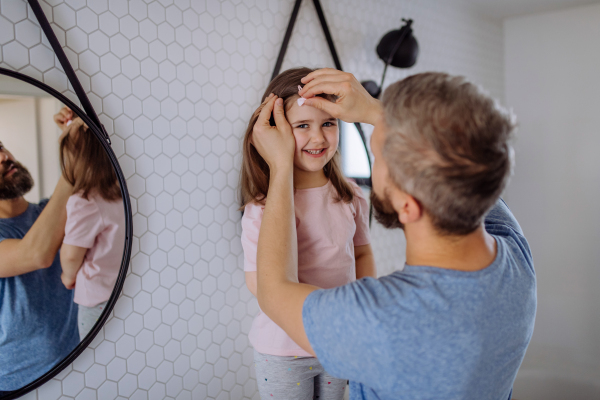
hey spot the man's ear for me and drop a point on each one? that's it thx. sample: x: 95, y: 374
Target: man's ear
x: 408, y: 208
x: 414, y: 210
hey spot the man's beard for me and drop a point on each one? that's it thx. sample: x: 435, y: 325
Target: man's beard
x: 16, y: 185
x: 384, y: 212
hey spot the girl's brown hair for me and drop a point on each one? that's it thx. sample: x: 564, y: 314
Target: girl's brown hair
x: 254, y: 175
x: 88, y: 168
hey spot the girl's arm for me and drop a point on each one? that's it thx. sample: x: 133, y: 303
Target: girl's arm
x: 251, y: 281
x: 71, y: 259
x: 365, y: 262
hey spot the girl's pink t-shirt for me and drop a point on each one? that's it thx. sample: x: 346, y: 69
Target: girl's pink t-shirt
x: 99, y: 226
x: 327, y: 232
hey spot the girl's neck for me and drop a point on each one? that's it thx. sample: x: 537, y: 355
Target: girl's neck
x: 309, y: 179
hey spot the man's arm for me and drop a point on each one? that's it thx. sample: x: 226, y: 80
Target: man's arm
x: 41, y: 243
x: 279, y: 294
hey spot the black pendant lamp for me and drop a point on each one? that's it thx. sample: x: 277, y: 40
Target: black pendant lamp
x: 397, y: 48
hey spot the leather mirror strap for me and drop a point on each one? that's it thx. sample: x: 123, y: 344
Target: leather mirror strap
x: 64, y: 61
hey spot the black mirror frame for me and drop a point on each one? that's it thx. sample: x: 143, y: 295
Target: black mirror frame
x: 98, y: 132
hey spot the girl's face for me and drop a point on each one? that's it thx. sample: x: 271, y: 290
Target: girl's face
x: 317, y: 136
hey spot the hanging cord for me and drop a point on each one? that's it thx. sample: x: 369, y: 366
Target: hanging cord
x: 64, y: 61
x: 338, y: 65
x: 403, y: 35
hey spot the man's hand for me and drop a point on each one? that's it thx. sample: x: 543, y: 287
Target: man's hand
x: 63, y: 117
x: 354, y: 103
x: 275, y: 144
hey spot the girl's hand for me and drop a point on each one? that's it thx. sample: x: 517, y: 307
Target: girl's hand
x: 68, y: 281
x: 63, y: 117
x: 353, y: 104
x: 275, y: 144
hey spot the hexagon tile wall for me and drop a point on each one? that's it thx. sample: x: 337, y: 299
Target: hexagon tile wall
x: 175, y: 82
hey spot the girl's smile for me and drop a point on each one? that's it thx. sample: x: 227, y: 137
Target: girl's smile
x: 316, y: 152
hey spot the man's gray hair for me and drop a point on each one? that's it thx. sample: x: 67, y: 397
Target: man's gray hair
x: 447, y: 145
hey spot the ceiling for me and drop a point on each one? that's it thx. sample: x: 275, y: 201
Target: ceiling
x: 500, y: 9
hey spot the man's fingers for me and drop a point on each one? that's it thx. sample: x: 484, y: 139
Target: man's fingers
x: 265, y: 113
x: 319, y: 72
x: 328, y: 87
x: 323, y: 105
x: 335, y: 79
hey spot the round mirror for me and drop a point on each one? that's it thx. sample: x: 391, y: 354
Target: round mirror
x: 65, y: 232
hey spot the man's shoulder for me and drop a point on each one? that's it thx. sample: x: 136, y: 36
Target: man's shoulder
x: 371, y: 295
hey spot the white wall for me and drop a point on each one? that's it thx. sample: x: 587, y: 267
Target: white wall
x: 175, y: 82
x: 28, y: 132
x: 552, y: 66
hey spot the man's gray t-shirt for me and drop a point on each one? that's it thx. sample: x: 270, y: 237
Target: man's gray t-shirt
x: 428, y: 333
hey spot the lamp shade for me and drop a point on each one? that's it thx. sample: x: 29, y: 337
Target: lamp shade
x: 407, y: 52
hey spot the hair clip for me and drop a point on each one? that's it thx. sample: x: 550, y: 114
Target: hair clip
x: 301, y: 100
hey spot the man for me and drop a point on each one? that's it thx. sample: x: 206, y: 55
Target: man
x: 38, y: 319
x: 455, y: 323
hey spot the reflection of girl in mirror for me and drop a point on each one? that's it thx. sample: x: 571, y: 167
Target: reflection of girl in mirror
x: 94, y: 233
x: 332, y: 231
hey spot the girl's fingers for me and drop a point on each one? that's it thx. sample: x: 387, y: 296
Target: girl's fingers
x: 265, y: 113
x: 279, y: 115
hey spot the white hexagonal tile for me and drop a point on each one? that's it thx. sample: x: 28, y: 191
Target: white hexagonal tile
x: 64, y: 16
x: 87, y: 20
x: 104, y: 353
x: 6, y: 31
x: 42, y: 57
x: 174, y: 16
x: 77, y: 40
x: 109, y: 24
x: 147, y: 378
x: 117, y: 7
x: 28, y: 33
x: 128, y: 26
x: 130, y: 67
x: 95, y: 376
x: 15, y: 55
x: 116, y: 369
x: 127, y: 385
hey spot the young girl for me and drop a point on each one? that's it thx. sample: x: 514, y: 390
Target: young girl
x: 332, y: 219
x: 92, y: 248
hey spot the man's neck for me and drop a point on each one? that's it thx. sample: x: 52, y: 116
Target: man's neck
x: 13, y: 208
x: 309, y: 179
x: 472, y: 252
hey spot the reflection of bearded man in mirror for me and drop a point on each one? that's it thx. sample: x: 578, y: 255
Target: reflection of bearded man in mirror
x: 38, y: 319
x: 15, y: 180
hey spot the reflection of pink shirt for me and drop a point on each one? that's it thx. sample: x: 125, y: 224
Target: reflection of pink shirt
x: 99, y: 226
x: 327, y: 233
